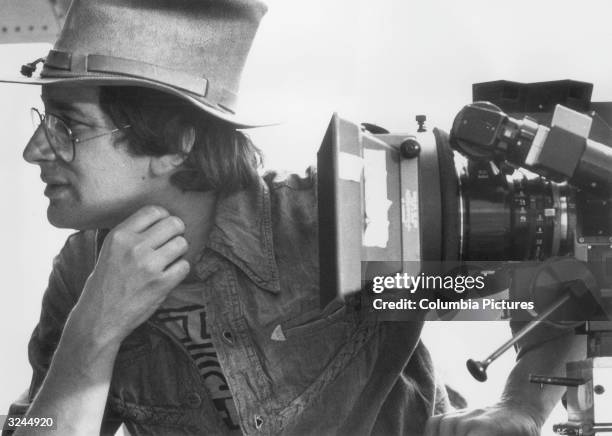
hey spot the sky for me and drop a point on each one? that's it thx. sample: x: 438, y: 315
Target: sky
x: 386, y: 61
x: 382, y: 62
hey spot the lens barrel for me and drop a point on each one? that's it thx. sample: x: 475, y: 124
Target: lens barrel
x: 514, y: 218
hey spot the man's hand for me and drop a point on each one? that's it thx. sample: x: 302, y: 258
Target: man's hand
x: 498, y: 420
x: 139, y: 264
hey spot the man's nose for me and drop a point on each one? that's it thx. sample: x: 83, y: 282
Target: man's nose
x: 38, y: 148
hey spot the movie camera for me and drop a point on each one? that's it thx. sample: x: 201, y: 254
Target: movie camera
x: 522, y: 188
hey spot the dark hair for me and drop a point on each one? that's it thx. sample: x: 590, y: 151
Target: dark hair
x: 222, y: 159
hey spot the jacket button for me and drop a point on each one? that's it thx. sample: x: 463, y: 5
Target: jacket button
x: 194, y: 400
x: 228, y: 337
x: 258, y: 422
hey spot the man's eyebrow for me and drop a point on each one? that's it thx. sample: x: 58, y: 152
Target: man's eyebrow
x: 62, y: 106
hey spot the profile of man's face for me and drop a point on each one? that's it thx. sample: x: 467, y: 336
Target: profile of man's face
x: 104, y: 183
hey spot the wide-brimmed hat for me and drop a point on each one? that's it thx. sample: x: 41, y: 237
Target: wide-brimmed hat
x: 194, y: 49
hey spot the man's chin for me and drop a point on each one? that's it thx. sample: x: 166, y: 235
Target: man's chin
x: 61, y: 222
x: 65, y: 219
x: 70, y: 218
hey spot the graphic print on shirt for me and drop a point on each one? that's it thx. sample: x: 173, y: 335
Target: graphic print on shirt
x: 188, y: 324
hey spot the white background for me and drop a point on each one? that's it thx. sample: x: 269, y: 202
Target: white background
x: 381, y: 62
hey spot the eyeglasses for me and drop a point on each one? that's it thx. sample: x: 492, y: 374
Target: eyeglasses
x: 60, y: 137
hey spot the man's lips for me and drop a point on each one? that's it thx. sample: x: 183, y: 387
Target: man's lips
x: 53, y: 190
x: 55, y: 185
x: 50, y: 180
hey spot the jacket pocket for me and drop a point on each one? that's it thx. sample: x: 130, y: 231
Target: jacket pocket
x: 313, y: 321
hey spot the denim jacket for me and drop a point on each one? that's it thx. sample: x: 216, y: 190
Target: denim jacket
x: 292, y: 368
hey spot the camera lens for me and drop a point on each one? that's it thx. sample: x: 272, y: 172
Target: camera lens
x: 513, y: 217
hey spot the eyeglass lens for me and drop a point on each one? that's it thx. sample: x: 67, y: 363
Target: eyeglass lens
x: 57, y: 133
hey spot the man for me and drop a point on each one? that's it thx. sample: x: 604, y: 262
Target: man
x: 187, y: 303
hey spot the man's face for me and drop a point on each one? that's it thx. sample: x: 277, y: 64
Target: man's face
x: 104, y: 183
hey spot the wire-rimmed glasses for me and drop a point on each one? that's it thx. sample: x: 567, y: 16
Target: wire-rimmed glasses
x: 60, y: 137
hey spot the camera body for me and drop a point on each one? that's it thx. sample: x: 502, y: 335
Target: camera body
x: 527, y: 195
x: 570, y: 184
x: 498, y: 189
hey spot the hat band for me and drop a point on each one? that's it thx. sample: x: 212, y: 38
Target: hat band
x: 92, y: 63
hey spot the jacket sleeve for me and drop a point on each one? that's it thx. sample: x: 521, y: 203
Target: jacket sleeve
x: 71, y: 267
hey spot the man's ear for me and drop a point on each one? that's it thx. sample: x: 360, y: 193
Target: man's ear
x: 168, y: 163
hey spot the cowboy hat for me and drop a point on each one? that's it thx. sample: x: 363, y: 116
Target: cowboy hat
x: 194, y: 49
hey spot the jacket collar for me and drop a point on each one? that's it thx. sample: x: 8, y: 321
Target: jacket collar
x: 242, y: 233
